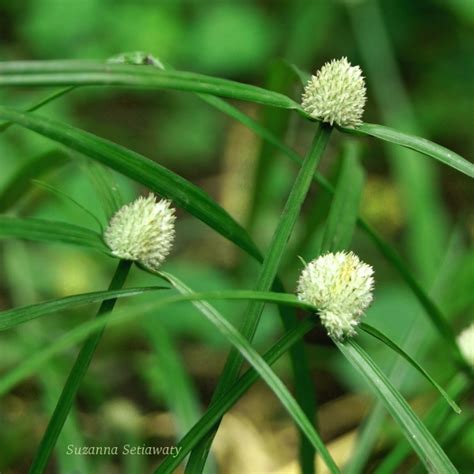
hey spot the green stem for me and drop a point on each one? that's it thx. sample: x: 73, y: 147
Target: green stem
x: 74, y: 380
x: 267, y: 275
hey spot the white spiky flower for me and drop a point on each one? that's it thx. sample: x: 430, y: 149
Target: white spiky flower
x: 340, y: 285
x: 336, y: 94
x: 142, y: 231
x: 466, y: 344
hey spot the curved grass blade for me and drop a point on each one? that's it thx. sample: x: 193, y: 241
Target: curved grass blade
x: 28, y: 367
x: 388, y: 342
x: 55, y: 95
x: 69, y: 199
x: 345, y: 205
x: 432, y: 310
x: 50, y: 231
x: 20, y: 183
x: 434, y: 420
x: 260, y: 366
x: 147, y: 172
x: 428, y: 450
x: 77, y: 73
x: 227, y: 400
x: 13, y: 317
x: 421, y: 145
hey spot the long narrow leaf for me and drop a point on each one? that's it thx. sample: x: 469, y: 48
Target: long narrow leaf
x: 388, y: 342
x: 13, y: 317
x: 50, y: 231
x: 437, y: 318
x: 29, y: 366
x: 433, y: 420
x: 69, y: 199
x: 261, y: 367
x: 428, y: 450
x: 422, y: 145
x: 227, y: 400
x: 147, y: 172
x: 77, y: 73
x: 51, y: 97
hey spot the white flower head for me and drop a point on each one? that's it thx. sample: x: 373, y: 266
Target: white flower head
x: 336, y: 94
x: 340, y: 285
x: 142, y: 231
x: 466, y: 344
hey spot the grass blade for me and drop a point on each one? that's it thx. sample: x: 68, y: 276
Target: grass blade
x: 437, y: 318
x: 55, y: 95
x: 50, y: 231
x: 147, y: 172
x: 68, y: 199
x: 261, y: 367
x: 266, y: 277
x: 13, y: 317
x: 345, y: 205
x: 428, y: 450
x: 74, y: 380
x: 381, y: 337
x: 421, y: 145
x: 434, y: 420
x: 20, y: 183
x: 29, y: 366
x: 227, y: 400
x: 77, y: 73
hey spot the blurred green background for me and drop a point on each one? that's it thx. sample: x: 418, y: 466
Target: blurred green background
x: 419, y: 63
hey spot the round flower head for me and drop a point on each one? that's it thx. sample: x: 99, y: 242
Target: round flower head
x: 142, y: 231
x: 466, y: 344
x: 336, y: 94
x: 340, y: 286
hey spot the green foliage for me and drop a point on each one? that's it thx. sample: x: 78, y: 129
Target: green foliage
x: 229, y: 184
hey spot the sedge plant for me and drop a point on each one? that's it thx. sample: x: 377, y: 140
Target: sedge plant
x: 334, y: 289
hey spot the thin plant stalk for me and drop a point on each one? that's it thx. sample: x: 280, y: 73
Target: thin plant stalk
x: 75, y: 378
x: 267, y: 275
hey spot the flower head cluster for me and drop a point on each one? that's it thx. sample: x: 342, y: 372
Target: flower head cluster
x: 340, y: 285
x: 336, y: 94
x: 466, y: 344
x: 142, y: 231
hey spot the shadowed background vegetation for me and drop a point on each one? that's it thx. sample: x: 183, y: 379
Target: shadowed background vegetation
x: 417, y: 57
